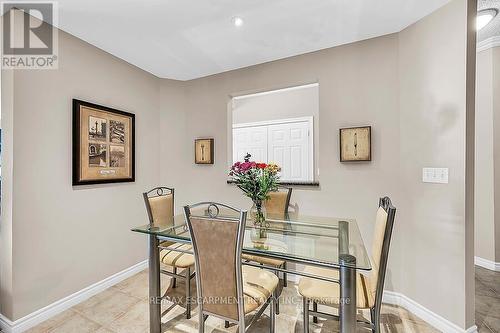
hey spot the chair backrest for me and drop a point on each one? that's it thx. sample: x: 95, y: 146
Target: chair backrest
x: 217, y: 243
x: 160, y: 205
x: 380, y: 248
x: 278, y: 201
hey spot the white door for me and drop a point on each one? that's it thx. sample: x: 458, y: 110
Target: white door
x: 252, y: 140
x: 289, y: 146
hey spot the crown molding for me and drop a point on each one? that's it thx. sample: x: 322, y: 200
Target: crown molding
x: 488, y: 43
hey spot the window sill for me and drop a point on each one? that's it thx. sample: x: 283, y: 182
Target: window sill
x: 285, y: 183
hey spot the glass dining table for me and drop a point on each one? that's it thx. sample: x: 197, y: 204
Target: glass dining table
x: 294, y: 238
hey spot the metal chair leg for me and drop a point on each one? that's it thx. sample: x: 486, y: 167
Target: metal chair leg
x: 276, y: 304
x: 272, y: 314
x: 174, y: 282
x: 315, y: 309
x: 188, y: 292
x: 306, y: 315
x: 375, y: 316
x: 285, y: 280
x: 201, y: 320
x: 372, y: 318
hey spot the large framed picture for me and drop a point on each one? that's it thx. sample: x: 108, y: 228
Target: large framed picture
x: 356, y: 144
x: 103, y: 144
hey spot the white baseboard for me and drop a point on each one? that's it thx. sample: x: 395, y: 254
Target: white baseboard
x: 35, y: 318
x: 425, y: 314
x: 488, y: 264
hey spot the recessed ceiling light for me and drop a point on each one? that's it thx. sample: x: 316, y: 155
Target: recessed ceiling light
x: 484, y: 17
x: 237, y: 21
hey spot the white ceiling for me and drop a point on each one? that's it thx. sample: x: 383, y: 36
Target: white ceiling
x: 493, y: 28
x: 187, y: 39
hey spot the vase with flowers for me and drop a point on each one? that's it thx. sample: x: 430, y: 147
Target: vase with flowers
x: 256, y: 180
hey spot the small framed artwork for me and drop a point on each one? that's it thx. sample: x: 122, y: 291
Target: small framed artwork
x: 204, y: 151
x: 356, y: 144
x: 103, y: 144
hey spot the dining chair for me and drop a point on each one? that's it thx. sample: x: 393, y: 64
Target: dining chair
x: 226, y: 289
x: 278, y: 201
x: 160, y: 207
x: 369, y: 287
x: 276, y: 205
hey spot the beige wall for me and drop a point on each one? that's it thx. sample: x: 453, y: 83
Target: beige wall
x: 175, y: 151
x: 487, y: 227
x: 485, y: 172
x: 6, y: 283
x: 66, y: 238
x: 409, y: 87
x: 496, y: 139
x: 293, y: 103
x: 432, y: 58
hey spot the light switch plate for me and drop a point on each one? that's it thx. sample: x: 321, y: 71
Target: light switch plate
x: 435, y: 175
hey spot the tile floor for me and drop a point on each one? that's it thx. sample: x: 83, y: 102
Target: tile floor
x: 487, y: 300
x: 124, y: 309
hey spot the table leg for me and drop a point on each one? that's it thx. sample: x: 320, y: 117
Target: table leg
x: 154, y: 286
x: 343, y: 237
x: 347, y: 293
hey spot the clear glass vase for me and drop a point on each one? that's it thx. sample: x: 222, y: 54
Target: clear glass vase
x: 258, y: 216
x: 258, y: 213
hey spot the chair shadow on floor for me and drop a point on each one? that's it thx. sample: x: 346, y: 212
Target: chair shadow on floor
x: 390, y: 323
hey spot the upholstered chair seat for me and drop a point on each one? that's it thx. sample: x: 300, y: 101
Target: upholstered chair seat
x: 262, y: 260
x: 258, y: 285
x: 328, y: 293
x: 175, y: 258
x: 162, y: 212
x: 273, y: 245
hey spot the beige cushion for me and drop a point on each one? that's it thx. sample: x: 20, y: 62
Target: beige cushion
x: 328, y: 293
x: 272, y: 245
x: 162, y: 209
x: 258, y: 285
x: 263, y: 260
x: 174, y: 258
x: 378, y: 241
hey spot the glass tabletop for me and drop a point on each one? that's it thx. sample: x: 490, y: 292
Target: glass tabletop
x: 294, y: 237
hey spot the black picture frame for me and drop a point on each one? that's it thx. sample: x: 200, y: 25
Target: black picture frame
x: 76, y: 144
